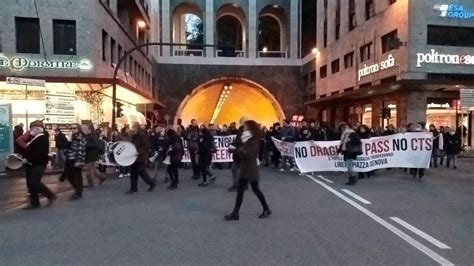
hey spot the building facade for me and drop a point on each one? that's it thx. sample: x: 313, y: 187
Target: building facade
x: 409, y: 57
x: 74, y: 46
x: 264, y: 71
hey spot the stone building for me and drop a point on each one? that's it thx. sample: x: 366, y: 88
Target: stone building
x: 410, y: 58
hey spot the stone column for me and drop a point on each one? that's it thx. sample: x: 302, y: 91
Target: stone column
x: 166, y: 29
x: 253, y: 29
x: 210, y: 26
x: 294, y: 29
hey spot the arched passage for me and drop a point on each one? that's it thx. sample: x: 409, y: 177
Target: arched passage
x: 225, y: 100
x: 230, y: 26
x: 272, y: 28
x: 188, y: 25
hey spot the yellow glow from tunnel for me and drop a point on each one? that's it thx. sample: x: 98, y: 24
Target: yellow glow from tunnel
x: 243, y: 100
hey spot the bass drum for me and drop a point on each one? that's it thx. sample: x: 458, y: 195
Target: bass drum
x: 123, y: 153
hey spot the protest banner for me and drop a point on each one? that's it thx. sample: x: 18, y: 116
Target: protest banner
x: 221, y: 156
x: 285, y: 148
x: 407, y: 150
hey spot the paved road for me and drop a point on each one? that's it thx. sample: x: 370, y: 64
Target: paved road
x: 314, y: 222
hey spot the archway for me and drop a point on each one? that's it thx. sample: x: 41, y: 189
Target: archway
x: 225, y: 100
x: 272, y: 28
x: 231, y: 27
x: 188, y: 27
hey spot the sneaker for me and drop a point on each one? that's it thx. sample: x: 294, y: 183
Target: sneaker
x: 203, y: 184
x: 455, y: 167
x: 30, y: 207
x: 282, y: 170
x: 292, y: 169
x: 75, y: 197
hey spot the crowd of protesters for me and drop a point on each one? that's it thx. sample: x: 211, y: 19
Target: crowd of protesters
x: 163, y: 148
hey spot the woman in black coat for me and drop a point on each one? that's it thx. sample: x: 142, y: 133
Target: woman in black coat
x: 175, y: 153
x: 206, y: 146
x: 248, y: 169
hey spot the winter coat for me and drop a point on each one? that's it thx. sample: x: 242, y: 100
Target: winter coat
x: 288, y: 134
x: 453, y: 144
x: 140, y: 140
x: 92, y: 148
x: 192, y: 137
x: 206, y: 143
x: 37, y: 151
x: 61, y: 141
x: 248, y: 153
x: 176, y: 149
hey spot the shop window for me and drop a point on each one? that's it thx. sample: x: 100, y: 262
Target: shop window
x: 64, y: 35
x: 112, y: 51
x: 388, y: 41
x: 349, y: 60
x: 369, y: 9
x: 392, y: 105
x: 451, y: 36
x: 365, y: 52
x: 27, y: 35
x: 352, y: 15
x: 323, y: 71
x: 105, y: 37
x: 335, y: 66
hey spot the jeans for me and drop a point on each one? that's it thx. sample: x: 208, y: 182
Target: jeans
x: 34, y: 173
x: 194, y: 162
x: 74, y: 176
x: 243, y: 183
x: 434, y: 157
x: 173, y: 173
x: 284, y: 160
x: 60, y: 159
x: 451, y: 157
x: 350, y: 167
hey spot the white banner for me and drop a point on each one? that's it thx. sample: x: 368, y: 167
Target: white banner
x: 285, y: 148
x: 408, y: 150
x: 221, y: 156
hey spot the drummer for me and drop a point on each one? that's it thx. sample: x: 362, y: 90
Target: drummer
x: 140, y: 140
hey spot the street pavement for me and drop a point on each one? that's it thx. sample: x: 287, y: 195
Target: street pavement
x: 316, y: 220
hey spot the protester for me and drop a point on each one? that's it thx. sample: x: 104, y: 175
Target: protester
x: 160, y: 146
x: 248, y: 172
x: 36, y: 158
x: 75, y: 160
x: 276, y: 155
x: 363, y: 132
x: 175, y: 153
x: 205, y: 150
x: 140, y: 140
x: 94, y: 148
x: 124, y: 171
x: 61, y: 145
x: 191, y: 136
x: 420, y: 172
x: 350, y: 147
x: 288, y: 134
x: 437, y: 145
x: 236, y: 159
x: 18, y: 132
x: 453, y: 148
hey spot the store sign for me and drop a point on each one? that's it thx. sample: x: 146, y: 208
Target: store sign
x: 19, y: 63
x: 454, y: 11
x: 467, y: 98
x: 439, y: 106
x: 448, y: 59
x: 368, y: 70
x: 26, y: 82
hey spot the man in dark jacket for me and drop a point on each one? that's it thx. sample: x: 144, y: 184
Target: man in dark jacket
x: 288, y: 134
x: 192, y: 141
x: 140, y: 140
x: 92, y: 155
x: 37, y: 158
x: 235, y: 157
x: 61, y: 145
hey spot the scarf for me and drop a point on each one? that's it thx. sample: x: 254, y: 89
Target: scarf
x: 345, y: 138
x: 246, y: 135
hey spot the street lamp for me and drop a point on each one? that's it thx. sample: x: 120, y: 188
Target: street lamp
x: 141, y: 24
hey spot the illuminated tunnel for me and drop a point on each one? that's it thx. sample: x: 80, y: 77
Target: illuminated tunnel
x: 225, y: 100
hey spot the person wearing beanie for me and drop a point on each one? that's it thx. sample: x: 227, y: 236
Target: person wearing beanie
x: 36, y: 159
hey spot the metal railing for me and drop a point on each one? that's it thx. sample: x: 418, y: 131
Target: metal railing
x: 188, y: 52
x: 272, y: 54
x: 238, y: 53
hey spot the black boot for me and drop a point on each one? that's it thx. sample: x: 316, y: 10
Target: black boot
x: 265, y: 214
x: 232, y: 217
